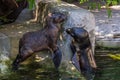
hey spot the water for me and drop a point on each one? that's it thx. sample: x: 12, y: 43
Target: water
x: 34, y: 69
x: 38, y: 71
x: 108, y: 67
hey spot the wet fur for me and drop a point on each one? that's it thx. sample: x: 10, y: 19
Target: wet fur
x: 81, y: 45
x: 44, y: 39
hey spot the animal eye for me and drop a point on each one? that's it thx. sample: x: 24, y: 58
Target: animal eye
x: 72, y: 34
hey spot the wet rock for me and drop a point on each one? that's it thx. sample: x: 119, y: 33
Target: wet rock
x: 4, y: 52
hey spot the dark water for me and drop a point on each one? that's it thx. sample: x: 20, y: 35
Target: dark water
x: 108, y: 66
x: 108, y: 69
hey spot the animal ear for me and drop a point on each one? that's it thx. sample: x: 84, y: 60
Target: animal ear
x: 83, y: 26
x: 50, y: 14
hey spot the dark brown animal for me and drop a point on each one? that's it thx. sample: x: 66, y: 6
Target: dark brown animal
x: 44, y: 39
x: 81, y: 48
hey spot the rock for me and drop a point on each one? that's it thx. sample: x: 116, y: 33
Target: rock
x: 10, y: 10
x: 76, y: 17
x: 25, y: 15
x: 4, y: 52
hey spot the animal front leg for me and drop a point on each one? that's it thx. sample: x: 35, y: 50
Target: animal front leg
x: 16, y: 62
x: 75, y: 61
x: 57, y: 57
x: 86, y: 68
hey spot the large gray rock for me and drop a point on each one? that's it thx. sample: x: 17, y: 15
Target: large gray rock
x: 4, y: 52
x: 76, y: 17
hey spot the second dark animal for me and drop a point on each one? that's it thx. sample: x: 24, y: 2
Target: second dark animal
x: 83, y: 57
x: 44, y: 39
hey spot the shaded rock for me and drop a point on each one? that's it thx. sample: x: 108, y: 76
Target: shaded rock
x: 25, y: 15
x: 10, y: 10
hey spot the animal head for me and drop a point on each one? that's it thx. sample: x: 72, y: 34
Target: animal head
x: 57, y: 17
x: 79, y: 34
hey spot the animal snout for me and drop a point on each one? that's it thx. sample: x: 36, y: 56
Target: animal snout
x: 68, y: 30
